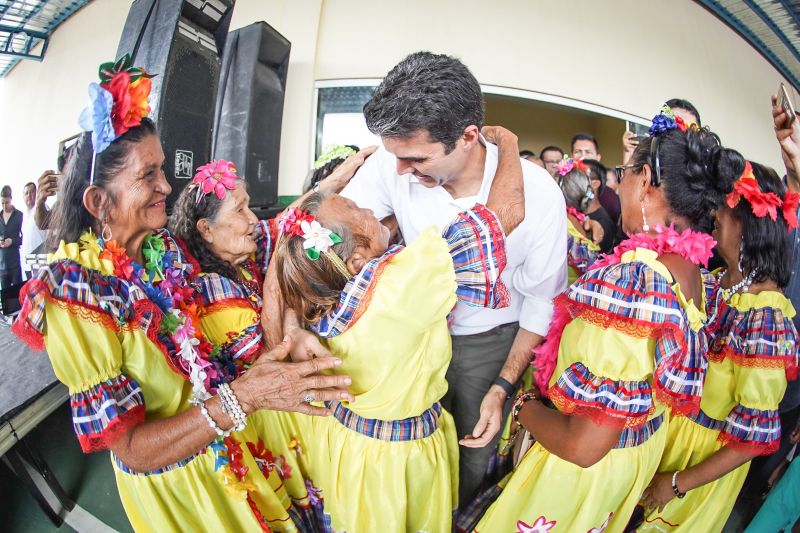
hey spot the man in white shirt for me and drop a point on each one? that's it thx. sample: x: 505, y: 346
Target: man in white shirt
x: 434, y: 164
x: 32, y: 236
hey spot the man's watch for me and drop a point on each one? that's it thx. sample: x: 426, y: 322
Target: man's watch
x: 504, y: 384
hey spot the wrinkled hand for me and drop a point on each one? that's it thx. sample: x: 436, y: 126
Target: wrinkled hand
x: 490, y: 421
x: 342, y: 174
x: 305, y: 345
x: 788, y: 136
x: 498, y: 134
x: 47, y: 185
x: 595, y: 229
x: 659, y: 492
x: 282, y: 386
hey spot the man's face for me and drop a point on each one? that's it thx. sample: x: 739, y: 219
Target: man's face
x: 550, y: 159
x: 585, y: 150
x: 417, y: 154
x: 29, y: 195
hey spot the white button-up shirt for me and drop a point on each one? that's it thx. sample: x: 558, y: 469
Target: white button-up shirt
x: 536, y: 250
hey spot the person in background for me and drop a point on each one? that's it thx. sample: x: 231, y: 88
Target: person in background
x: 579, y: 197
x: 585, y: 146
x: 531, y: 156
x: 611, y: 179
x: 680, y: 107
x: 595, y: 210
x: 10, y: 241
x: 551, y: 157
x: 33, y: 237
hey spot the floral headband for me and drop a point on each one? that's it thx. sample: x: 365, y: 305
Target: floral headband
x: 763, y: 203
x: 566, y: 165
x: 337, y: 152
x: 117, y: 104
x: 317, y: 241
x: 667, y: 120
x: 218, y: 176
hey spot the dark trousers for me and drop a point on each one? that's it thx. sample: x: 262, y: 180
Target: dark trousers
x: 477, y: 360
x: 9, y: 277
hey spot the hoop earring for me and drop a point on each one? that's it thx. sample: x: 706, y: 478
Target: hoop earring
x: 645, y: 225
x: 741, y: 256
x: 106, y: 232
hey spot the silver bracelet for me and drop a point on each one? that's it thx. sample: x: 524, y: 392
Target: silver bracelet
x: 231, y: 406
x: 218, y: 430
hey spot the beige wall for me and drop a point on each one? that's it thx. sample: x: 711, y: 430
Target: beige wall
x: 609, y: 53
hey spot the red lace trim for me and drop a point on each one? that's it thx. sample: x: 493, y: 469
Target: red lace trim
x: 595, y: 412
x: 259, y: 517
x: 753, y: 448
x: 751, y: 361
x: 228, y: 303
x: 95, y: 442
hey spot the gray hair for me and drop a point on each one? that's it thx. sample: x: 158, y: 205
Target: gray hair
x: 577, y: 189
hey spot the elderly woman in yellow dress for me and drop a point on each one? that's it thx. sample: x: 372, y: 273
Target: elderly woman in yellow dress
x: 121, y: 327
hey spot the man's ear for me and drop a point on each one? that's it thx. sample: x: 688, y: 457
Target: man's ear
x: 94, y: 198
x: 356, y: 262
x: 204, y: 228
x: 470, y: 135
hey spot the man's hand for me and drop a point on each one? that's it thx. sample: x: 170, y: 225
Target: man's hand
x: 47, y: 186
x: 305, y: 345
x: 594, y: 229
x: 491, y: 419
x: 788, y: 136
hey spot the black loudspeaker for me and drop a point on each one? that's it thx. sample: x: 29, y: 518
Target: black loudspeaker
x: 180, y: 41
x: 247, y: 126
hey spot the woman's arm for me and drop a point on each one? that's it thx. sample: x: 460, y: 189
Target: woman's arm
x: 507, y: 195
x: 268, y: 384
x: 723, y: 461
x: 576, y: 439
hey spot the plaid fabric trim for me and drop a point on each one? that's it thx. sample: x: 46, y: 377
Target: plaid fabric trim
x: 638, y: 301
x: 578, y: 391
x: 753, y: 426
x: 757, y: 337
x: 245, y: 345
x: 101, y: 411
x: 477, y: 245
x: 413, y: 428
x: 354, y: 295
x: 579, y: 255
x: 636, y: 436
x: 215, y: 288
x: 124, y: 468
x: 264, y: 245
x: 707, y: 422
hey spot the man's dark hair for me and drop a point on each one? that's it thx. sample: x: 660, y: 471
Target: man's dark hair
x: 687, y: 105
x: 551, y: 149
x: 426, y: 91
x: 526, y: 153
x: 5, y: 192
x: 584, y: 137
x: 29, y: 184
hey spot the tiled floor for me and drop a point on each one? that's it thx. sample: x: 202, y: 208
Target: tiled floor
x: 87, y: 479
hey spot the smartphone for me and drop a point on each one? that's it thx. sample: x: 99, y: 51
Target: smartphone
x: 786, y: 104
x: 639, y: 130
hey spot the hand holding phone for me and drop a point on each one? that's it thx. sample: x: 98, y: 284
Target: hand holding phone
x: 786, y: 104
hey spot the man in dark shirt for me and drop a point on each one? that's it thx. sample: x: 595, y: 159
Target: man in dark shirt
x: 10, y: 241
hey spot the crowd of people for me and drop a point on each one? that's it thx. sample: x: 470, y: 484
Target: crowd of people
x: 442, y: 333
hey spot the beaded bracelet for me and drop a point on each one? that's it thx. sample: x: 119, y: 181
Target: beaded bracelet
x: 677, y: 492
x: 520, y: 401
x: 231, y: 406
x: 218, y: 430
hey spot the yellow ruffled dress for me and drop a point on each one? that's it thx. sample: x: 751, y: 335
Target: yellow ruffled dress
x: 389, y: 461
x: 102, y: 336
x: 753, y: 352
x: 625, y: 334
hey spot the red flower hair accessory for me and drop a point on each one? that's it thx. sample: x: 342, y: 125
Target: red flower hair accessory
x: 218, y: 176
x: 289, y: 221
x: 761, y: 203
x: 790, y: 203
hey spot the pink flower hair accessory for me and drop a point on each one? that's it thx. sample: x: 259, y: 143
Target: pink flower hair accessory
x: 566, y: 165
x: 218, y: 176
